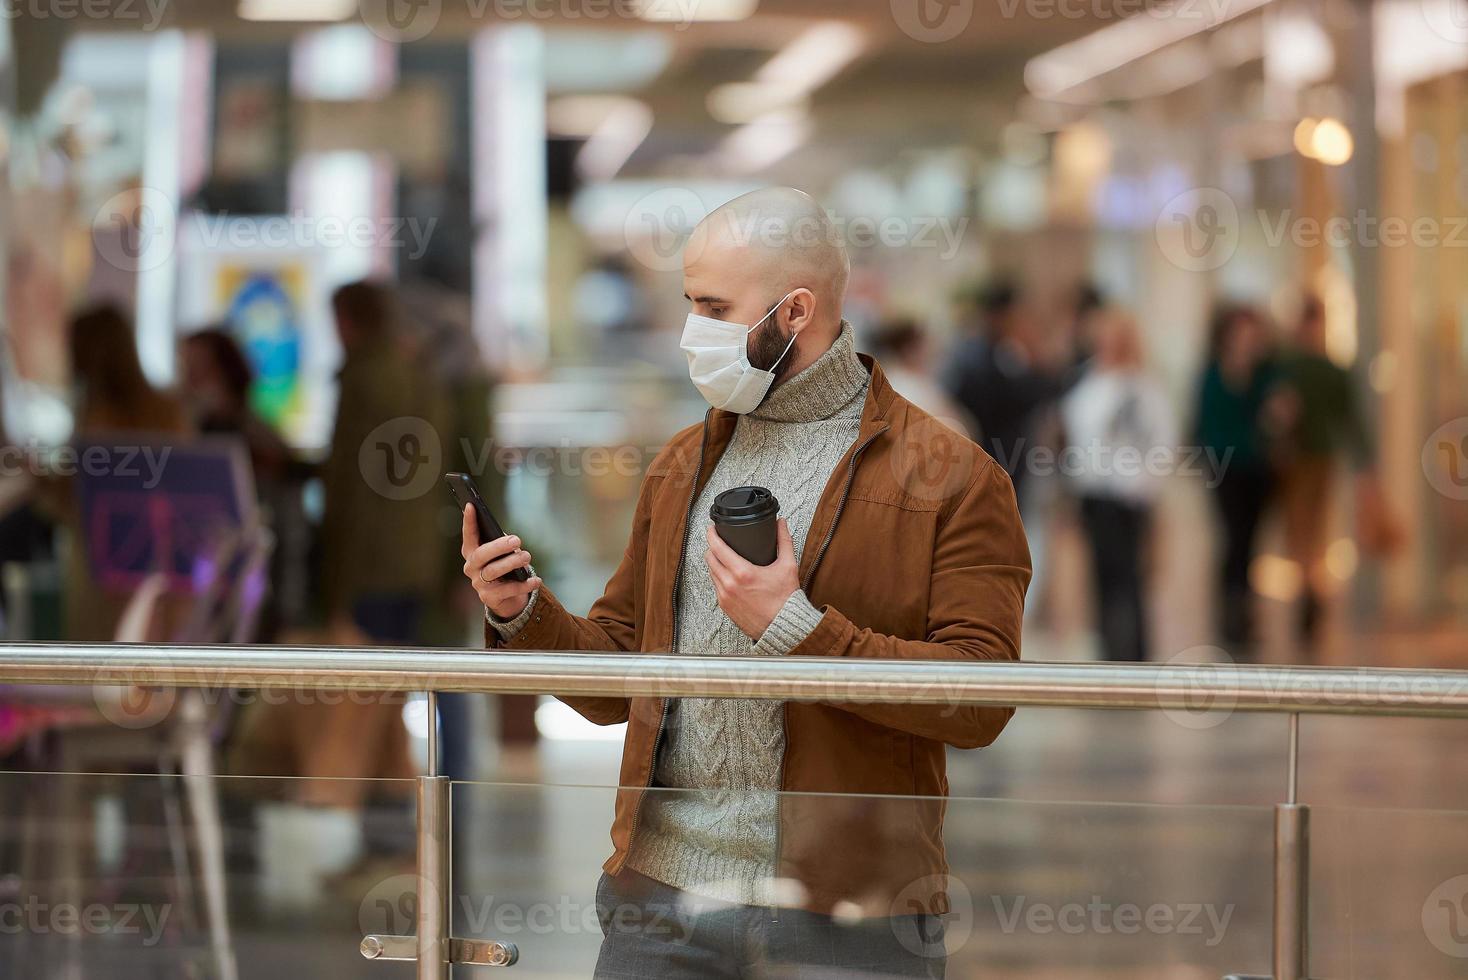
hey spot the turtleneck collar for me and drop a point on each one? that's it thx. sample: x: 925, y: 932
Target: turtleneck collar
x: 822, y: 389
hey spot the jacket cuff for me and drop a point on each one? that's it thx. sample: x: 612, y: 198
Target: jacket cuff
x: 795, y: 621
x: 508, y: 628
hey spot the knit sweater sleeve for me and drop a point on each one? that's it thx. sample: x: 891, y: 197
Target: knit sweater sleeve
x: 796, y: 620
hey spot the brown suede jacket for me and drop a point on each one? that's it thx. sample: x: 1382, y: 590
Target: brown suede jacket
x: 915, y: 552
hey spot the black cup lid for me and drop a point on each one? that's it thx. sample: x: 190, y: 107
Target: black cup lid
x: 744, y: 504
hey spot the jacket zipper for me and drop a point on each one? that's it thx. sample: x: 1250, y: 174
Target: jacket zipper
x: 677, y: 586
x: 840, y: 507
x: 805, y: 583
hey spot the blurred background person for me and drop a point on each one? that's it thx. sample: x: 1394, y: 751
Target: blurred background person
x: 901, y: 346
x: 215, y: 377
x: 112, y: 396
x: 1326, y: 427
x: 993, y: 374
x: 1121, y: 439
x: 379, y: 535
x: 1238, y: 408
x: 997, y: 373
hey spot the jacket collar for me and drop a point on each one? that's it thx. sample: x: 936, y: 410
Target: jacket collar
x: 874, y: 413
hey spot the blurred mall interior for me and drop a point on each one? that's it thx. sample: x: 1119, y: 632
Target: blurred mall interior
x: 1208, y: 190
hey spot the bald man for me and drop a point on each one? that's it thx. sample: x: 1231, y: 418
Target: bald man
x: 760, y: 837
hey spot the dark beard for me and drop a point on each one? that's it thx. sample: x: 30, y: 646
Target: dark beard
x: 766, y: 345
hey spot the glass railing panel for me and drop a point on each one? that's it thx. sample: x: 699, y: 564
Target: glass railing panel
x: 137, y: 877
x: 1035, y: 889
x: 1389, y: 892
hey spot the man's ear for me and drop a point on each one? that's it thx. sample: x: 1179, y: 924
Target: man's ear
x: 802, y: 307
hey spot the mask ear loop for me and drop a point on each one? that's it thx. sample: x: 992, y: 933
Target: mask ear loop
x: 762, y: 319
x: 766, y: 317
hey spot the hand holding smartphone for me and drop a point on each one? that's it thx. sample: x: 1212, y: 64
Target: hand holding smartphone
x: 495, y: 564
x: 461, y: 485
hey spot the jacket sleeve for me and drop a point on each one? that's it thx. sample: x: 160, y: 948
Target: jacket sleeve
x: 980, y: 570
x: 611, y: 625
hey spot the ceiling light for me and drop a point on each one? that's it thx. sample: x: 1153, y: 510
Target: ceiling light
x: 742, y: 102
x: 1079, y: 61
x: 693, y: 11
x: 813, y: 58
x: 296, y: 10
x: 764, y: 141
x: 615, y: 140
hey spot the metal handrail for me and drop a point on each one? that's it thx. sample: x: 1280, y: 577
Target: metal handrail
x: 1173, y: 686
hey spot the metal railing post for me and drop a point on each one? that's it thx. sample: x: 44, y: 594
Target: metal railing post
x: 1292, y: 873
x: 433, y: 860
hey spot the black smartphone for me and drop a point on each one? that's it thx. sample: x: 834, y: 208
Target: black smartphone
x: 461, y: 485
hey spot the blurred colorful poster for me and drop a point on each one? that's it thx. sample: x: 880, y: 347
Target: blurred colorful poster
x: 271, y: 296
x: 263, y: 308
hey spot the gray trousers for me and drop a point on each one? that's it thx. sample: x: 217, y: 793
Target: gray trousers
x: 651, y: 931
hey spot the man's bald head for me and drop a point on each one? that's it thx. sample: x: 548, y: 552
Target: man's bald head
x: 768, y: 244
x: 784, y: 233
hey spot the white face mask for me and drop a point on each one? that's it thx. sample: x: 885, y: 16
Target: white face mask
x: 718, y: 361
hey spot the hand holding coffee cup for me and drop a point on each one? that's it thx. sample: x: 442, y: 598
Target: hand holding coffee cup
x: 751, y: 558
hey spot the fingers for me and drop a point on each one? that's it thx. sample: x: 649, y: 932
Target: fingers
x: 498, y: 548
x: 490, y: 561
x: 470, y: 533
x: 727, y: 556
x: 495, y: 594
x: 500, y: 567
x: 785, y: 545
x: 728, y: 569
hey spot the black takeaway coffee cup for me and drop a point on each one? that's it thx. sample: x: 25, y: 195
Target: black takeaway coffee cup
x: 745, y: 518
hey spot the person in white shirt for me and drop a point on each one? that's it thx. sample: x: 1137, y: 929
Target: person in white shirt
x: 1121, y: 437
